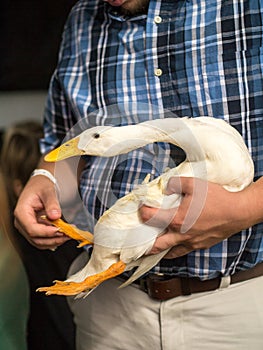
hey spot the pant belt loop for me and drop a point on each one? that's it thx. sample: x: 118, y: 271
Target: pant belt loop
x: 225, y: 282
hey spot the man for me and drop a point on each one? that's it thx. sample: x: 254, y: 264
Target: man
x: 191, y: 58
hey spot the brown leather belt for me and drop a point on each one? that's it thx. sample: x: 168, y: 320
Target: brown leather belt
x: 162, y: 287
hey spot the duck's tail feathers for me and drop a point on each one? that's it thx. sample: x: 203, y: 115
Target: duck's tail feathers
x: 84, y: 294
x: 147, y: 262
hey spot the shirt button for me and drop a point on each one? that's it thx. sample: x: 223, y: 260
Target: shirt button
x: 157, y: 19
x: 158, y: 72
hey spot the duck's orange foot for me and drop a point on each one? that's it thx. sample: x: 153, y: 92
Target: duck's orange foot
x: 84, y: 237
x: 64, y: 288
x: 73, y: 288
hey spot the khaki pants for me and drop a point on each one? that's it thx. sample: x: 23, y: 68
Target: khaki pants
x: 230, y: 318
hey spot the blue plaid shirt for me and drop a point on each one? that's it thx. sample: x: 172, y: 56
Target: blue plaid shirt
x: 192, y: 58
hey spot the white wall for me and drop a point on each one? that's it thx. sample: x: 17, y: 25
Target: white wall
x: 20, y: 105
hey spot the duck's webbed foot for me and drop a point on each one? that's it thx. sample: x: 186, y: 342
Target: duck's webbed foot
x: 84, y: 237
x: 73, y: 288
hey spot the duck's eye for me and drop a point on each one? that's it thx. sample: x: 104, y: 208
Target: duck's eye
x: 96, y: 136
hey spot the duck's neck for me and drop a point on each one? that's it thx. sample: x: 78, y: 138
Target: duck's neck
x: 171, y: 130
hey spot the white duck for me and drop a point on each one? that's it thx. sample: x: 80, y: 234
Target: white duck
x: 215, y: 151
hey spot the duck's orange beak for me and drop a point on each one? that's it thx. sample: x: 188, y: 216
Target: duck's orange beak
x: 67, y: 150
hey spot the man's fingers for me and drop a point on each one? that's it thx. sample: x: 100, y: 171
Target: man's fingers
x: 157, y: 217
x: 176, y: 241
x: 194, y: 193
x: 48, y: 243
x: 177, y: 251
x: 37, y: 230
x: 180, y: 185
x: 164, y: 242
x: 42, y: 236
x: 175, y: 185
x: 51, y: 205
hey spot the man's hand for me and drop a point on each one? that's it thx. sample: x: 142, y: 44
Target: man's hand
x: 38, y: 198
x: 208, y: 214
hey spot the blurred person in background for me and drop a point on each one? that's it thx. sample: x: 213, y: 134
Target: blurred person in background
x: 14, y: 291
x: 50, y: 324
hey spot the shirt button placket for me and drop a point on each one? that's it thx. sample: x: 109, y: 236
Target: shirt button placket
x: 158, y: 72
